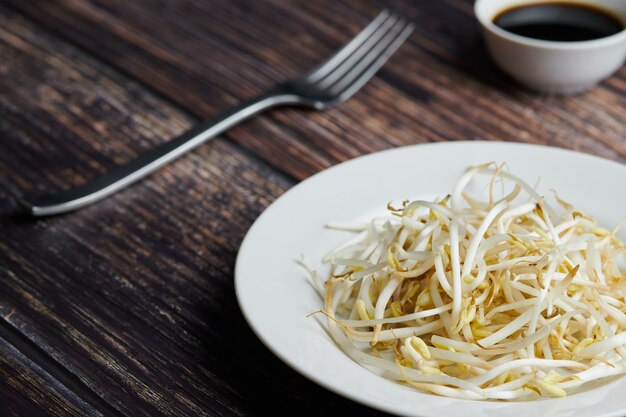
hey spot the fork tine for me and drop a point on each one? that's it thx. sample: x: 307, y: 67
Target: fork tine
x: 370, y: 56
x: 360, y: 52
x: 322, y: 69
x: 358, y: 76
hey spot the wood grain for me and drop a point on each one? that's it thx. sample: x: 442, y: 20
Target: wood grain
x: 29, y: 392
x: 32, y: 384
x: 132, y: 298
x: 441, y: 85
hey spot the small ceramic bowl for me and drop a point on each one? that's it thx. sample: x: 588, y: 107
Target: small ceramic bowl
x: 550, y: 66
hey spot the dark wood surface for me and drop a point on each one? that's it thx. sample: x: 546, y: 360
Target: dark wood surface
x: 127, y: 308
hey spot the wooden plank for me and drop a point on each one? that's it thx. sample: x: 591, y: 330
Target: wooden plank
x: 206, y: 56
x: 30, y: 393
x: 30, y: 389
x: 132, y: 297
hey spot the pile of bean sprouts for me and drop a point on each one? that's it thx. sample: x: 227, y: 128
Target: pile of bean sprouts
x: 505, y: 299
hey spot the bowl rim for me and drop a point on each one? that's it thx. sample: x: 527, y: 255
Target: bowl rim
x: 487, y: 24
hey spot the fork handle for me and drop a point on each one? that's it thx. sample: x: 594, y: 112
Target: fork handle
x: 146, y: 163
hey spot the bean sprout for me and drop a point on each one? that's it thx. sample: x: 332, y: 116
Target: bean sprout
x: 503, y: 299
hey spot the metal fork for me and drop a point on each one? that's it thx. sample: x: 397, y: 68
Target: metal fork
x: 332, y: 82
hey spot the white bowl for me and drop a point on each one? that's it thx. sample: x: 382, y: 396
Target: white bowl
x: 275, y: 294
x: 549, y: 66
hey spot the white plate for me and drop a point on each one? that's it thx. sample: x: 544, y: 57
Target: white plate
x: 275, y: 295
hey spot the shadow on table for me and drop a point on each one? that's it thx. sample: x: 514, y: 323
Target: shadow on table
x: 262, y: 384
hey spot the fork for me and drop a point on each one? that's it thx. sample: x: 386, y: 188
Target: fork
x: 331, y: 82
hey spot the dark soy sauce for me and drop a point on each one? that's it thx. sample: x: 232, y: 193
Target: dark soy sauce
x: 564, y: 22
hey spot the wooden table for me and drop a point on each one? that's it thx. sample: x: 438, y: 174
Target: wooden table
x: 127, y: 308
